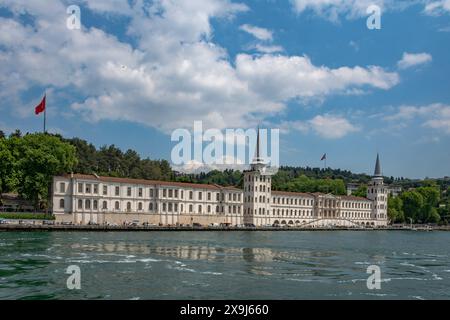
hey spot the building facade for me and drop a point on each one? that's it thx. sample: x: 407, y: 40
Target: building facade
x: 84, y: 199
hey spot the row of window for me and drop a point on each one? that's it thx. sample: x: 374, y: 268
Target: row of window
x: 88, y: 188
x: 89, y: 204
x: 357, y: 205
x: 280, y: 212
x: 253, y: 178
x: 293, y: 201
x: 364, y: 215
x: 262, y: 188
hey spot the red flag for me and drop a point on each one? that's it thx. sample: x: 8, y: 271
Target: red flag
x: 40, y: 107
x: 323, y: 157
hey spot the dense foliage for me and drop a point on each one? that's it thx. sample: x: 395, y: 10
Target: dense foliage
x: 29, y: 163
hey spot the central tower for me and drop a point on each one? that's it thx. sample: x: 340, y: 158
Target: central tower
x: 377, y: 192
x: 257, y: 191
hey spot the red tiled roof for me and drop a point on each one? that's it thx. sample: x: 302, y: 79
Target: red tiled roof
x: 354, y: 198
x: 151, y: 182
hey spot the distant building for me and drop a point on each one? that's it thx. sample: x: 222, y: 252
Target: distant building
x: 395, y: 191
x: 352, y: 187
x: 12, y: 202
x: 83, y: 199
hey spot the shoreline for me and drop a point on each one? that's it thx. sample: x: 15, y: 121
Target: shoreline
x: 17, y: 227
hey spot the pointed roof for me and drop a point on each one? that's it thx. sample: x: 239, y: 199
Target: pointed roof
x: 377, y: 172
x: 257, y: 159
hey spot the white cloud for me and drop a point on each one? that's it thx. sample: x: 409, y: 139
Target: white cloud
x: 172, y: 76
x: 435, y: 116
x: 334, y: 9
x: 257, y: 32
x: 268, y: 49
x: 414, y: 59
x: 332, y: 127
x: 326, y: 126
x: 437, y: 8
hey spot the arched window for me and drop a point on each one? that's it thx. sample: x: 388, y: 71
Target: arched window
x: 95, y: 205
x: 80, y: 204
x: 128, y: 206
x: 140, y: 206
x: 150, y: 206
x: 88, y: 204
x: 61, y: 204
x: 117, y: 205
x: 105, y: 205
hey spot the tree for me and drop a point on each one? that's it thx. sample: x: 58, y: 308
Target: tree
x: 2, y: 135
x: 412, y: 205
x: 39, y: 158
x: 7, y: 167
x: 395, y: 209
x: 361, y: 191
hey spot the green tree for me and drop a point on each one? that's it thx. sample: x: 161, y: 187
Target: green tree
x: 39, y: 158
x: 7, y: 167
x: 412, y: 205
x: 395, y: 209
x: 361, y: 191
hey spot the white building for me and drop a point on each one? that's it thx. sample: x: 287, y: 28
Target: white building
x: 83, y: 199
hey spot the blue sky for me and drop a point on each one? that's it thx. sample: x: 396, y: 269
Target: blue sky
x: 137, y: 70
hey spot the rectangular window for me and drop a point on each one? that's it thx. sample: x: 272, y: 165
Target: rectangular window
x: 191, y: 195
x: 95, y: 188
x: 117, y: 191
x: 88, y: 188
x: 80, y: 188
x: 164, y: 193
x: 199, y: 196
x: 105, y: 190
x: 129, y: 191
x: 170, y: 193
x: 176, y: 194
x: 62, y: 187
x: 151, y: 192
x: 140, y: 192
x: 209, y: 196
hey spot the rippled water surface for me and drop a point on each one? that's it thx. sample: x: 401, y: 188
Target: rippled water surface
x: 225, y: 265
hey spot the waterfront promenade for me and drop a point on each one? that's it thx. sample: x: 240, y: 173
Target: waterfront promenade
x: 128, y: 228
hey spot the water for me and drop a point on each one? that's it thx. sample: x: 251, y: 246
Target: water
x: 225, y: 265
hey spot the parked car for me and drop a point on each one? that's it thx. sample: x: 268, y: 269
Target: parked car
x: 3, y: 221
x: 196, y: 225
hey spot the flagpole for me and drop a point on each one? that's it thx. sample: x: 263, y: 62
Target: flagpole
x: 45, y: 117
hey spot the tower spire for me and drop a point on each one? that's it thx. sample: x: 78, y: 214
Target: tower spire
x: 257, y: 145
x: 377, y: 172
x: 258, y: 160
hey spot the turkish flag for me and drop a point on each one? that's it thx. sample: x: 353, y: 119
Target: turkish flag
x: 40, y: 107
x: 323, y: 157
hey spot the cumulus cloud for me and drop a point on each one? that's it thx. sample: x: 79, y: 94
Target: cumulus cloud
x: 333, y: 10
x: 171, y: 76
x: 258, y: 33
x: 435, y: 116
x: 326, y: 126
x: 437, y: 8
x: 414, y: 59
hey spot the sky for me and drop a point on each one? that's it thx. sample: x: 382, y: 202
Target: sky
x: 137, y: 70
